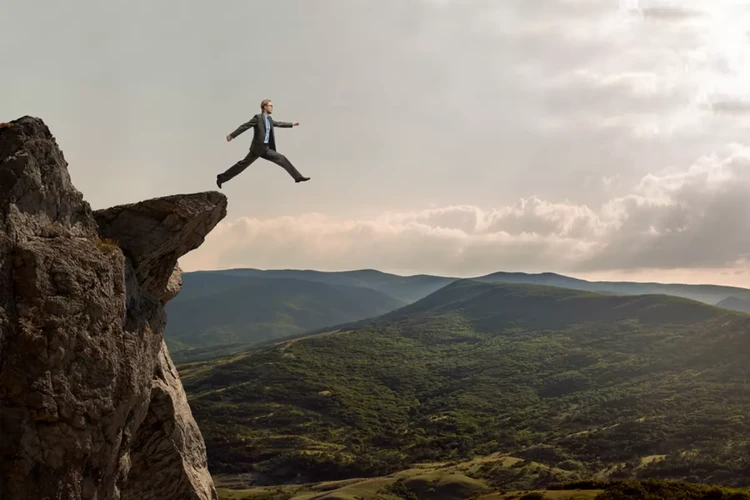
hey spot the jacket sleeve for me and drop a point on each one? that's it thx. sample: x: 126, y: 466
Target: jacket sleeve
x: 244, y: 127
x: 282, y: 124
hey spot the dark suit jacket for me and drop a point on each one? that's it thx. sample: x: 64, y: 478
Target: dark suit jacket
x: 258, y: 124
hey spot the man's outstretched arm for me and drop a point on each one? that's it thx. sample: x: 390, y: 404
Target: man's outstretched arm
x: 284, y: 124
x: 242, y: 128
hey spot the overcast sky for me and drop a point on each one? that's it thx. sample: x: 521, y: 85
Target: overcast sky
x: 595, y: 138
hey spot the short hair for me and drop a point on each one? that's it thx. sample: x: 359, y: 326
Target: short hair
x: 263, y: 103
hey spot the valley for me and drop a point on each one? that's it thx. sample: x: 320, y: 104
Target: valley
x: 572, y: 384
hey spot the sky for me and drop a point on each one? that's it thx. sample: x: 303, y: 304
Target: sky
x: 603, y: 139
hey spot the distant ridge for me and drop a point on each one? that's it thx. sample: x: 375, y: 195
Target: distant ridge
x: 735, y: 304
x: 413, y: 287
x: 250, y: 306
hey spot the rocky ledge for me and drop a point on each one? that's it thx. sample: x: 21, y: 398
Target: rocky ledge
x: 91, y: 406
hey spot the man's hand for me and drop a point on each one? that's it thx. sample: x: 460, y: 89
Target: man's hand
x: 229, y: 138
x: 296, y: 124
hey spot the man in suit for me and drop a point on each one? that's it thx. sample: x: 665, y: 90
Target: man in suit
x: 263, y: 145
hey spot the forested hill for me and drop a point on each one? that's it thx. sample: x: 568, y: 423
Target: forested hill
x: 581, y: 382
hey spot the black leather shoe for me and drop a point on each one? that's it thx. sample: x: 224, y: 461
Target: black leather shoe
x: 302, y: 179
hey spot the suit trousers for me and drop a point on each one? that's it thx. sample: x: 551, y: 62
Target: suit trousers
x: 270, y: 155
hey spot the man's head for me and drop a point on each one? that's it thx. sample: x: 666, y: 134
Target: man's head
x: 267, y: 106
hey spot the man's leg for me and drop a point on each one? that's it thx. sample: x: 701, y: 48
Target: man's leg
x: 236, y: 168
x: 283, y: 162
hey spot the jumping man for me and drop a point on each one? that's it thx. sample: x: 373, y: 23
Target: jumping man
x: 263, y: 145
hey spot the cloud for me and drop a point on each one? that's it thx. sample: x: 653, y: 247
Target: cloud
x: 698, y: 217
x: 695, y: 218
x: 587, y: 92
x: 670, y: 13
x: 732, y: 107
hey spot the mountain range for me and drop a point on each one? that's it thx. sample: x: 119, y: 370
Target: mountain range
x: 248, y: 306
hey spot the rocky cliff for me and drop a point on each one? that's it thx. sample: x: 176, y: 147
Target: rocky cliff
x: 91, y: 406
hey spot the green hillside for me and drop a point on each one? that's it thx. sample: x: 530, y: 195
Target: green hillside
x: 228, y: 310
x: 537, y: 306
x: 581, y: 383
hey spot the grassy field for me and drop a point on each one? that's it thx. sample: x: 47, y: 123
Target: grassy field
x: 464, y: 481
x: 437, y: 481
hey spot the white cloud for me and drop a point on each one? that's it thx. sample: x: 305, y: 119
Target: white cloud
x: 696, y: 217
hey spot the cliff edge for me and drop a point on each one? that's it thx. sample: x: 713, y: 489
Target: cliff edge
x: 91, y: 406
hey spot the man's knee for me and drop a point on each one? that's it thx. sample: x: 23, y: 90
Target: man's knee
x: 246, y: 161
x: 278, y: 158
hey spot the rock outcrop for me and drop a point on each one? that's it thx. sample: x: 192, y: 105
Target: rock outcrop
x: 91, y: 406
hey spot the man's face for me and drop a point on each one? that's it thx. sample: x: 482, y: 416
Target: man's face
x: 268, y: 108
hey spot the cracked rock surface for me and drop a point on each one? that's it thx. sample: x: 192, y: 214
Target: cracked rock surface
x: 91, y: 406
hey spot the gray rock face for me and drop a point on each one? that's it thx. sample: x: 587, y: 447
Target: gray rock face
x: 91, y: 406
x: 169, y: 455
x: 154, y: 233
